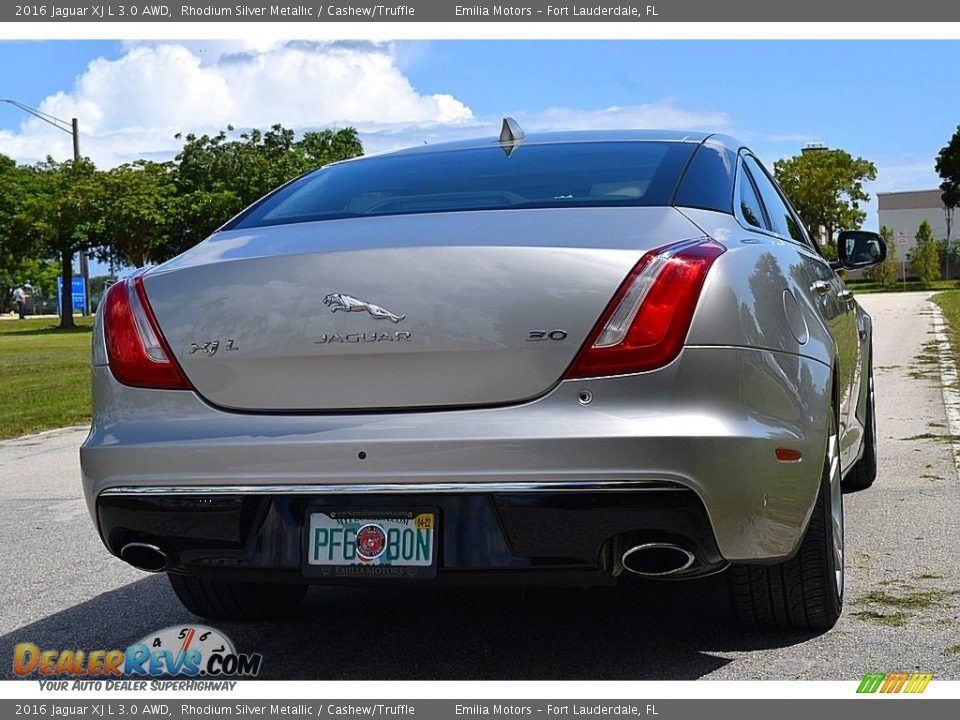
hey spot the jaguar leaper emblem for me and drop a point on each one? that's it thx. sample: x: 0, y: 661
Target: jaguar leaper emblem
x: 347, y: 303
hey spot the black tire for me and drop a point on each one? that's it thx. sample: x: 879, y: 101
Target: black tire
x: 805, y: 592
x: 864, y: 471
x: 225, y: 600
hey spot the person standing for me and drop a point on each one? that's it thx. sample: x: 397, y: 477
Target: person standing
x: 20, y: 298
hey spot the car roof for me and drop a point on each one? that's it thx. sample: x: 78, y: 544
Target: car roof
x: 578, y: 136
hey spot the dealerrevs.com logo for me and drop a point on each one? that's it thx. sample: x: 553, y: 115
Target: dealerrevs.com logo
x: 192, y: 651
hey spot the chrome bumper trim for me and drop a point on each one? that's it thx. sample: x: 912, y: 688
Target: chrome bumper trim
x: 402, y: 488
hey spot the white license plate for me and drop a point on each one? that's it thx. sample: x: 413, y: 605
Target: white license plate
x: 368, y: 540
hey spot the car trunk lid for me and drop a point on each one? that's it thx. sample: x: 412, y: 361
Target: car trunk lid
x: 403, y: 312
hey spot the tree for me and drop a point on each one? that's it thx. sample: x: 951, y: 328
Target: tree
x: 826, y: 188
x: 887, y: 270
x: 948, y: 168
x: 61, y: 215
x: 20, y: 258
x: 138, y: 211
x: 146, y: 211
x: 216, y: 176
x: 926, y: 258
x: 12, y: 242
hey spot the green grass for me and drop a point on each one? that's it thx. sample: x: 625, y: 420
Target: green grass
x: 910, y: 599
x: 895, y: 619
x: 44, y: 375
x: 898, y: 601
x: 867, y: 286
x: 949, y: 302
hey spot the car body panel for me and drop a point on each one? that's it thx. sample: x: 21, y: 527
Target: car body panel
x: 473, y: 418
x: 742, y: 304
x: 462, y: 291
x: 735, y: 406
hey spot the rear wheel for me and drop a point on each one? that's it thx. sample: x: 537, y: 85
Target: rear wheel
x: 864, y: 472
x: 226, y: 600
x: 806, y: 591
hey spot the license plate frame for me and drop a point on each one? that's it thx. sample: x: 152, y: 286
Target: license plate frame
x: 382, y: 566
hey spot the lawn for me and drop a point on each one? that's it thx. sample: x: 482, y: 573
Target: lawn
x: 44, y: 375
x: 867, y: 287
x: 949, y: 302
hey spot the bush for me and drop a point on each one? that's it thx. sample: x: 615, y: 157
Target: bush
x: 926, y: 258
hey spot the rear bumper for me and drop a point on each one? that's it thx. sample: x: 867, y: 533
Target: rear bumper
x: 530, y: 537
x: 707, y: 424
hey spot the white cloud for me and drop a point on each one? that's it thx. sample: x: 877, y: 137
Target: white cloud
x: 664, y: 114
x: 132, y: 107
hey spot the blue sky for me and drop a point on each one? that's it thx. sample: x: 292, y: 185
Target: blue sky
x: 895, y: 103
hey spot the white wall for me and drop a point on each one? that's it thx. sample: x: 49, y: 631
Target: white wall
x: 909, y: 221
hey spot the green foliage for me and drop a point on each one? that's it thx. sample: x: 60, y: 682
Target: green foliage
x: 139, y: 209
x: 829, y: 250
x: 39, y: 278
x: 216, y: 177
x: 826, y: 188
x: 14, y: 246
x: 926, y: 258
x: 886, y: 271
x: 144, y: 212
x: 60, y: 214
x: 948, y: 168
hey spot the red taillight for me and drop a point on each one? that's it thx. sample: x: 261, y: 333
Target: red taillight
x: 137, y: 352
x: 645, y: 324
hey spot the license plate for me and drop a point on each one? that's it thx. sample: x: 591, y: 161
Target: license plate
x: 353, y: 543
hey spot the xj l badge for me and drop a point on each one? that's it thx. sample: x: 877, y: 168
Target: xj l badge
x: 339, y: 301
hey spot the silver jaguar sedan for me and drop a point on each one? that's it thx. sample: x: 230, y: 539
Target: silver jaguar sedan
x: 525, y: 359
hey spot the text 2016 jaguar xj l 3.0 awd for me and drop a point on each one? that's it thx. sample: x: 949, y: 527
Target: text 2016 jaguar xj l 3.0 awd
x: 549, y: 359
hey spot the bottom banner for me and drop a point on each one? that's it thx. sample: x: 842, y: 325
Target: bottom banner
x: 447, y: 709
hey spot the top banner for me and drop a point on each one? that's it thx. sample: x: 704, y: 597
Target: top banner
x: 449, y: 11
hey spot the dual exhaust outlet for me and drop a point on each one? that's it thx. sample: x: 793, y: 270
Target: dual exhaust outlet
x: 654, y: 559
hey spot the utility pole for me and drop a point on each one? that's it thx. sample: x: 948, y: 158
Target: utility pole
x: 948, y: 216
x: 84, y: 265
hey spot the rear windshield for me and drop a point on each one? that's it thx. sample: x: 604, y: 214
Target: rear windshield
x: 535, y: 176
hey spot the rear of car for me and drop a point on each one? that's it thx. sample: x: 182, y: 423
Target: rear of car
x: 469, y: 364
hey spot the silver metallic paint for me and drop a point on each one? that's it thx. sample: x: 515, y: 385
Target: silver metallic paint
x: 710, y: 421
x: 472, y: 286
x: 741, y: 304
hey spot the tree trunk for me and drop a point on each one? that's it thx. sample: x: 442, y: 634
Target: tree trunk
x: 66, y: 292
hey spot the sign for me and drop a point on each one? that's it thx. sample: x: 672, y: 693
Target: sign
x: 79, y: 294
x: 902, y: 237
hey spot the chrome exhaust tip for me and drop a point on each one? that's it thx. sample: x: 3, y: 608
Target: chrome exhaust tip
x: 657, y: 559
x: 144, y: 556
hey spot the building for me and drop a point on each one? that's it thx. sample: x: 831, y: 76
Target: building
x: 903, y: 212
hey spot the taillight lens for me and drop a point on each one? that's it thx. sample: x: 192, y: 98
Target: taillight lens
x: 137, y: 352
x: 646, y: 323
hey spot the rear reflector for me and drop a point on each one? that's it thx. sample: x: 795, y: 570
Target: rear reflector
x: 788, y: 455
x: 646, y: 322
x: 137, y: 352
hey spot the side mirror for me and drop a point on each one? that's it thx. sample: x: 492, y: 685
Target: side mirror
x: 860, y: 249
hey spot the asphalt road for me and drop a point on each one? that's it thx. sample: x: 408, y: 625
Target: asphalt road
x: 63, y: 590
